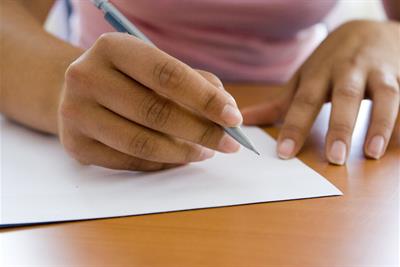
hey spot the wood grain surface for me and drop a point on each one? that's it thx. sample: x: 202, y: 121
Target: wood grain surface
x: 360, y: 228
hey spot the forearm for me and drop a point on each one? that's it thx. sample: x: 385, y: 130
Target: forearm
x: 32, y: 68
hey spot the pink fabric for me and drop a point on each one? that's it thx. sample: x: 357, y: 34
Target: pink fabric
x: 239, y: 40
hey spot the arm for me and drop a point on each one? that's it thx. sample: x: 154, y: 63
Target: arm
x: 32, y: 65
x: 121, y: 104
x: 392, y: 8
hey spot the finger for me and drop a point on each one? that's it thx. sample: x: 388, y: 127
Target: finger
x: 91, y: 152
x: 213, y: 79
x: 138, y: 141
x: 169, y: 77
x: 101, y: 155
x: 348, y: 91
x: 384, y: 90
x: 145, y: 107
x: 305, y: 106
x: 271, y: 110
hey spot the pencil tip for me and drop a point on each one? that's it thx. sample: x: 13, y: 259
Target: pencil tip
x: 252, y: 148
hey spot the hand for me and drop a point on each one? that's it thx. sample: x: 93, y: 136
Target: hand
x: 126, y: 105
x: 360, y: 59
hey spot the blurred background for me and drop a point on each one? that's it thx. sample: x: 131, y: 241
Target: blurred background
x: 345, y: 10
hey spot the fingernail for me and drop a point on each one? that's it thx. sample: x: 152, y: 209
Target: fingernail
x: 231, y: 99
x: 231, y: 115
x: 206, y: 154
x: 228, y: 144
x: 375, y: 148
x: 337, y: 154
x: 286, y: 148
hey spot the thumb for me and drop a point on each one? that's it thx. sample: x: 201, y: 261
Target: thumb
x: 266, y: 113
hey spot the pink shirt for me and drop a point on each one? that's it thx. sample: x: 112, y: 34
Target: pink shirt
x: 239, y: 40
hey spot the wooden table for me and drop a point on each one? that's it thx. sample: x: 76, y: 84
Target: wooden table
x: 360, y: 228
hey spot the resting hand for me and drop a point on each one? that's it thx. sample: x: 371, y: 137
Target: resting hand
x: 126, y: 105
x: 360, y: 59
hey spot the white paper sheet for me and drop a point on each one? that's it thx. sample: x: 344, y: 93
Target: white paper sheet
x: 41, y: 183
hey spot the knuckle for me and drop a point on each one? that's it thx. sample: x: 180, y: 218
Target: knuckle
x: 156, y: 111
x: 79, y: 78
x: 68, y: 111
x: 279, y: 108
x: 356, y: 58
x: 350, y: 63
x: 73, y: 148
x: 349, y: 91
x: 292, y: 129
x: 169, y: 74
x: 190, y: 153
x: 212, y: 78
x: 385, y: 83
x: 383, y: 125
x: 207, y: 135
x: 142, y: 145
x: 105, y: 40
x: 209, y: 100
x: 390, y: 90
x: 74, y: 74
x: 341, y: 129
x: 307, y: 100
x: 133, y: 164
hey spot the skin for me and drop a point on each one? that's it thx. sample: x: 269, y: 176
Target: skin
x: 358, y: 60
x: 154, y: 114
x: 160, y: 113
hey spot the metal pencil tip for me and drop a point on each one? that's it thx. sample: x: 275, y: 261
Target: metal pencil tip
x: 254, y: 150
x: 251, y: 147
x: 239, y: 136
